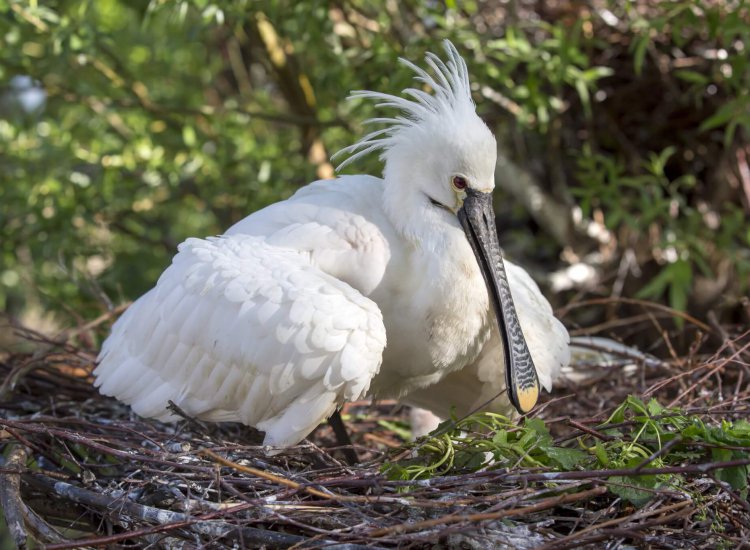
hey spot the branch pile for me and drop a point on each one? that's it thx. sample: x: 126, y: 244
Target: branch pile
x: 80, y: 469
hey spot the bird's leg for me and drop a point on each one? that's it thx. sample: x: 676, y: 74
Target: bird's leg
x: 342, y: 438
x: 194, y: 423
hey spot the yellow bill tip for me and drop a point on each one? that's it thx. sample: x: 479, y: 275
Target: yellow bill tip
x: 527, y: 398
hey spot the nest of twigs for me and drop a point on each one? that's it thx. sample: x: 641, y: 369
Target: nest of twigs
x: 82, y: 470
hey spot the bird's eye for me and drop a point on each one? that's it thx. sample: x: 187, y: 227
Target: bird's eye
x: 459, y: 183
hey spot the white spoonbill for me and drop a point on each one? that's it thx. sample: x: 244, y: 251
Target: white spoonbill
x: 393, y: 288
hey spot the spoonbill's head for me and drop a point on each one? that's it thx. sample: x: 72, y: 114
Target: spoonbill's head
x: 446, y: 155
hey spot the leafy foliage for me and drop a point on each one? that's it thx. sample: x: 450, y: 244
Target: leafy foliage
x: 637, y: 435
x: 126, y: 127
x: 536, y: 75
x: 659, y: 194
x: 649, y: 202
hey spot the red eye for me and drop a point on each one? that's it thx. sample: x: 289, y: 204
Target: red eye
x: 459, y: 182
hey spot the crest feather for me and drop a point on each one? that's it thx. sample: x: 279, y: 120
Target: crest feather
x: 451, y: 92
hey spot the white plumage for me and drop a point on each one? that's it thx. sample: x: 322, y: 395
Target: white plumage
x: 352, y: 287
x: 481, y: 384
x: 238, y: 329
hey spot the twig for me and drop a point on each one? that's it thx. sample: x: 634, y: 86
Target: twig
x: 474, y: 518
x: 728, y: 489
x: 10, y: 494
x: 721, y: 365
x: 626, y: 472
x: 298, y: 486
x: 561, y: 543
x: 590, y: 431
x: 266, y: 475
x: 67, y: 335
x: 167, y: 520
x: 676, y: 441
x: 82, y: 440
x: 19, y: 517
x: 633, y: 301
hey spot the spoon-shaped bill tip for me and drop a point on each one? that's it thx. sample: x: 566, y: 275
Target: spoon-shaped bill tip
x: 526, y: 398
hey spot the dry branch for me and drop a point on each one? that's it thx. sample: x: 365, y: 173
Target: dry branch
x: 116, y: 479
x: 10, y: 494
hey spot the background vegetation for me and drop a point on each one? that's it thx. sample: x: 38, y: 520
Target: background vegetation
x: 127, y: 126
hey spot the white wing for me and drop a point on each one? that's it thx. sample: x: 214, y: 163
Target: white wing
x: 476, y: 386
x: 335, y: 221
x: 237, y: 329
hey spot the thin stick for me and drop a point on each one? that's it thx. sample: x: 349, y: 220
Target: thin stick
x: 10, y: 495
x: 473, y: 518
x: 168, y: 520
x: 599, y: 474
x: 310, y: 490
x: 633, y: 301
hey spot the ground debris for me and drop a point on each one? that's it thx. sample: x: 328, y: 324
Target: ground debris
x: 80, y: 469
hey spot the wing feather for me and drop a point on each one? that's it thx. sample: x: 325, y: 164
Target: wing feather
x: 238, y: 329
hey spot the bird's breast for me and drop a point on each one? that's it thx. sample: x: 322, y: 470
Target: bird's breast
x: 435, y: 323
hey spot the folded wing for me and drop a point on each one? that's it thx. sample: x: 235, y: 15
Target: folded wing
x: 237, y: 329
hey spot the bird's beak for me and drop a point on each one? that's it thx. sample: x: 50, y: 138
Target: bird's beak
x: 478, y: 221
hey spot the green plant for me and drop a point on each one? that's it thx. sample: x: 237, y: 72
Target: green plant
x: 649, y: 203
x: 726, y: 26
x: 636, y: 436
x: 535, y: 71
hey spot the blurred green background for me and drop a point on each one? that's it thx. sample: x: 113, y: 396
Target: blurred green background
x: 127, y: 126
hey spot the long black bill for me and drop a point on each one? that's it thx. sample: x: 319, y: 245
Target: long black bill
x: 478, y: 221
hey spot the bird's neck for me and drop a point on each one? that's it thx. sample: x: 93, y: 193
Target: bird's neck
x: 415, y: 218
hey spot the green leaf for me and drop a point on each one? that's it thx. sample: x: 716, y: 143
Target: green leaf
x: 656, y: 286
x: 639, y: 52
x: 500, y: 438
x: 537, y: 425
x: 470, y: 460
x: 726, y: 113
x: 596, y: 73
x: 692, y: 77
x: 396, y: 427
x: 654, y: 408
x: 636, y: 405
x: 627, y: 489
x: 583, y: 94
x: 682, y: 277
x: 736, y: 476
x: 601, y: 454
x: 567, y: 459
